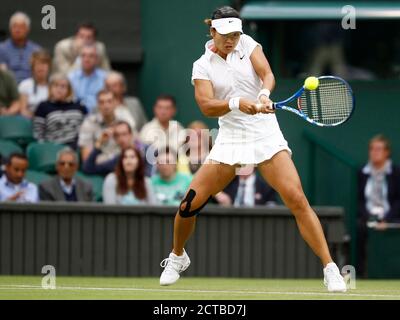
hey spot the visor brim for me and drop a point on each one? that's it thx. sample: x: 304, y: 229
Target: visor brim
x: 228, y: 29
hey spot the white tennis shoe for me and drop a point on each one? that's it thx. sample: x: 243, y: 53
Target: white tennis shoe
x: 173, y: 266
x: 333, y: 279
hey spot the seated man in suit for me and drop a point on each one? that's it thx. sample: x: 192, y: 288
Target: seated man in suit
x: 66, y: 186
x: 247, y: 190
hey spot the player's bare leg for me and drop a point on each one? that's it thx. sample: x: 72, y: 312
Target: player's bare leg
x: 282, y: 175
x: 210, y: 179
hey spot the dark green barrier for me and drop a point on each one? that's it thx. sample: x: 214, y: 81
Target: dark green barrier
x: 384, y: 253
x: 100, y: 240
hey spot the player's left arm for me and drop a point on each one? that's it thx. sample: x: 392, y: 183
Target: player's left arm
x: 263, y: 70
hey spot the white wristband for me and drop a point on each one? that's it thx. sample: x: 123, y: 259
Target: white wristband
x: 263, y: 92
x: 234, y: 103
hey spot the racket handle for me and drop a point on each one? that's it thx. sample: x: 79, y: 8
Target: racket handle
x: 259, y: 105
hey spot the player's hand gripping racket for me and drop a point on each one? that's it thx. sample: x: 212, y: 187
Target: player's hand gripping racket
x: 325, y: 101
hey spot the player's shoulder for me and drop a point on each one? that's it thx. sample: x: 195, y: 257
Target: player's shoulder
x: 245, y: 37
x: 247, y: 44
x: 201, y: 68
x: 202, y: 61
x: 246, y: 40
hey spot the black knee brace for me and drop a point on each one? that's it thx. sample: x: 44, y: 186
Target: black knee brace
x: 184, y: 207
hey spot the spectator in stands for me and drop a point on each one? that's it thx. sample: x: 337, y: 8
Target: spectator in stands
x: 116, y: 83
x: 59, y: 118
x: 16, y: 51
x: 378, y: 194
x: 247, y: 189
x: 326, y: 49
x: 66, y: 186
x: 121, y: 112
x: 98, y: 127
x: 67, y: 51
x: 163, y: 130
x: 198, y: 144
x: 128, y: 184
x: 9, y: 96
x: 35, y: 90
x: 169, y: 185
x: 13, y: 186
x: 88, y: 80
x: 124, y: 138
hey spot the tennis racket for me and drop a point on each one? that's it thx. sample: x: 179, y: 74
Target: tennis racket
x: 330, y: 104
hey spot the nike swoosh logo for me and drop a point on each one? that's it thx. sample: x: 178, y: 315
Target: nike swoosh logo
x: 230, y: 21
x: 242, y: 57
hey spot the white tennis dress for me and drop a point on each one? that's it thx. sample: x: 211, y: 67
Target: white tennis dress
x: 242, y: 138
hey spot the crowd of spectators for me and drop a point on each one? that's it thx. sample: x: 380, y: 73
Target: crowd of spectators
x: 74, y: 98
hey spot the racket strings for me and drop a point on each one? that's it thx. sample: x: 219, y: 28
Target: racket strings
x: 331, y: 103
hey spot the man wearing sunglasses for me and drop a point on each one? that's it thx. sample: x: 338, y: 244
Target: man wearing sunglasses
x: 66, y: 186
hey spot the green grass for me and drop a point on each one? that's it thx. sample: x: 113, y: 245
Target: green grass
x: 24, y: 287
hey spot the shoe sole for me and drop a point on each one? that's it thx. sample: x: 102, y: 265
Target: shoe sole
x: 168, y: 283
x: 337, y: 290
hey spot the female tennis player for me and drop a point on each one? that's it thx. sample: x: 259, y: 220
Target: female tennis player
x: 230, y: 79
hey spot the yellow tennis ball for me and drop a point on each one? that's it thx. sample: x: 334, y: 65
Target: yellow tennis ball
x: 311, y: 83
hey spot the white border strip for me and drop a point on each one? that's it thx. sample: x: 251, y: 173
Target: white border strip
x: 328, y: 294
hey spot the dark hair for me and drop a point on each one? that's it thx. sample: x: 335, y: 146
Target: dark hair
x: 166, y: 97
x: 87, y: 25
x: 167, y: 150
x: 139, y: 188
x: 120, y: 122
x: 16, y: 155
x: 222, y: 12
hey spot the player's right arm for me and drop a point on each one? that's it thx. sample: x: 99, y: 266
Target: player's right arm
x: 211, y: 107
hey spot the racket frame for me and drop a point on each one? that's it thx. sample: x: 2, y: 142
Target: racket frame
x: 282, y: 104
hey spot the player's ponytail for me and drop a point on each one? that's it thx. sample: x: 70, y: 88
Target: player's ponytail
x: 208, y: 22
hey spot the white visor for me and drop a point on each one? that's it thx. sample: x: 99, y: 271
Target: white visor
x: 227, y: 25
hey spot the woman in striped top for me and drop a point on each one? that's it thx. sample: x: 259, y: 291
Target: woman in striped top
x: 59, y: 118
